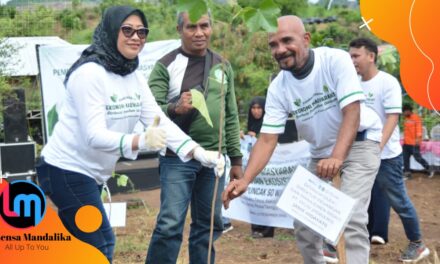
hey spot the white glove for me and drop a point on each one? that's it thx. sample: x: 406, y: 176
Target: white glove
x: 210, y: 159
x: 220, y: 168
x: 206, y: 157
x: 154, y: 138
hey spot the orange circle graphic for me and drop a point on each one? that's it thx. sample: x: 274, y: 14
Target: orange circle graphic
x: 88, y: 218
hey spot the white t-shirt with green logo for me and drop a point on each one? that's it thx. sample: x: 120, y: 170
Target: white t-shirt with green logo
x: 97, y: 119
x: 384, y: 95
x: 316, y: 102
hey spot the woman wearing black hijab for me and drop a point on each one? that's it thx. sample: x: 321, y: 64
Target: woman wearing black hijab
x: 255, y: 121
x: 255, y: 115
x: 105, y: 98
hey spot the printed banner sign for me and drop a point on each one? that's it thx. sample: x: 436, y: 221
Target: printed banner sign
x: 258, y: 204
x: 55, y: 61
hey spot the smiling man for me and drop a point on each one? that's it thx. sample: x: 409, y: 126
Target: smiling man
x: 321, y: 89
x: 193, y: 66
x: 385, y: 97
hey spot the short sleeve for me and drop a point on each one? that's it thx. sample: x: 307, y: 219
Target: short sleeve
x: 348, y: 86
x: 276, y: 113
x: 392, y: 99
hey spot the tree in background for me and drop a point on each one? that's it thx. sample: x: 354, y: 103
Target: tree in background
x: 237, y: 34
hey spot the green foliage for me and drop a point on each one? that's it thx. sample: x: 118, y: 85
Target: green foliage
x: 388, y: 60
x: 349, y: 16
x: 287, y: 7
x: 320, y: 38
x: 195, y: 8
x: 7, y: 11
x: 262, y: 18
x: 244, y: 47
x: 250, y: 58
x: 162, y: 20
x: 30, y: 2
x: 37, y: 22
x: 6, y: 54
x: 76, y: 4
x: 72, y: 19
x: 430, y: 119
x: 235, y: 30
x: 80, y: 37
x: 107, y: 3
x: 122, y: 180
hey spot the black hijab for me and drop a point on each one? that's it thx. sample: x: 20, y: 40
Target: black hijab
x: 104, y: 50
x: 254, y: 124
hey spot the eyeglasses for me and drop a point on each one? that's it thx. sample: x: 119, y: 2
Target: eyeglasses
x: 129, y: 32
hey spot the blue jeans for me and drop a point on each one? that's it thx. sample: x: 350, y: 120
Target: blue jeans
x: 182, y: 184
x: 378, y: 213
x: 390, y: 181
x: 69, y: 191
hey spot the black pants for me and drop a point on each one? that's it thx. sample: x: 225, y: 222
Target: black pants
x: 266, y: 231
x: 413, y: 150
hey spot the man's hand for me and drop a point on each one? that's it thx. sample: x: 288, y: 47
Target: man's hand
x: 241, y: 134
x: 236, y: 173
x: 184, y: 105
x: 328, y: 168
x: 154, y: 138
x: 235, y: 188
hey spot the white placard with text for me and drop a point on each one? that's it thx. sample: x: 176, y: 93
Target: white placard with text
x: 317, y: 204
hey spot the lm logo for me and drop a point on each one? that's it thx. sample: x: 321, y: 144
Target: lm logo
x: 22, y: 204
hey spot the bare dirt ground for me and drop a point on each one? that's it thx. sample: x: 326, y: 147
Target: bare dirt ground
x: 237, y: 246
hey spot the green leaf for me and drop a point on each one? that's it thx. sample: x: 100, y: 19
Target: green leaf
x: 199, y: 103
x: 52, y: 118
x: 103, y: 195
x: 262, y: 18
x: 195, y: 8
x: 122, y: 180
x: 269, y: 8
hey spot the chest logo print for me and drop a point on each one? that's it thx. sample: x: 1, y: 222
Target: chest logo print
x: 114, y: 98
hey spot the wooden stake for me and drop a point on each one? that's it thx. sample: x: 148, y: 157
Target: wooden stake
x: 220, y: 141
x: 340, y: 248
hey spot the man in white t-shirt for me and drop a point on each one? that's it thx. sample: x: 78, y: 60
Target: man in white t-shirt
x: 384, y: 95
x: 321, y: 89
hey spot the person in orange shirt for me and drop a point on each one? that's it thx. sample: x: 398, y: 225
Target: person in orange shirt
x: 412, y: 138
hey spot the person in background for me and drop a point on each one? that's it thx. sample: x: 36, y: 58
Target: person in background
x: 384, y: 95
x: 412, y: 138
x: 105, y: 98
x: 320, y: 86
x: 254, y: 123
x: 193, y: 66
x: 255, y: 116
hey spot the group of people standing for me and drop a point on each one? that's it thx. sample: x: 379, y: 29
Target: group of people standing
x: 344, y: 133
